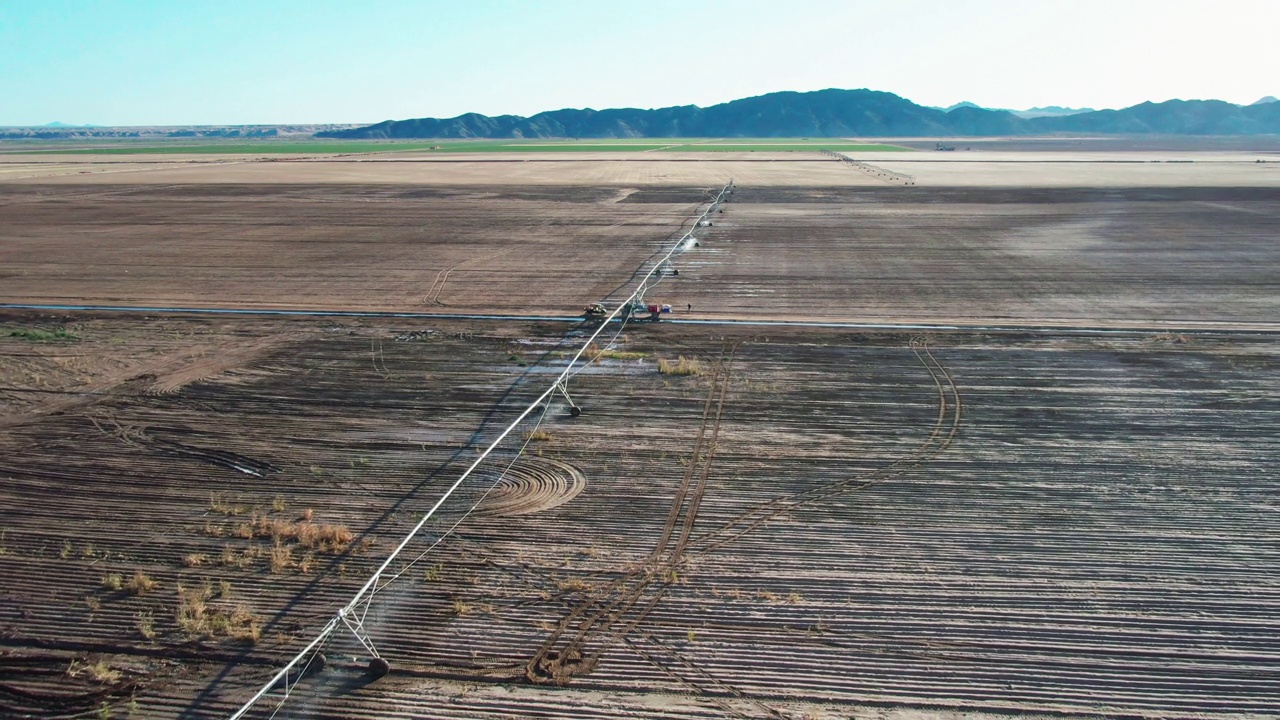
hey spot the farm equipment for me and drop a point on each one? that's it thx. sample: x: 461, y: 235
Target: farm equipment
x: 596, y: 311
x: 656, y: 311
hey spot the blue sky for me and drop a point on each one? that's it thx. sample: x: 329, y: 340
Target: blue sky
x: 154, y: 62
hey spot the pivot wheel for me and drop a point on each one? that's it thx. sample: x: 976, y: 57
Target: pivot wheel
x: 379, y: 667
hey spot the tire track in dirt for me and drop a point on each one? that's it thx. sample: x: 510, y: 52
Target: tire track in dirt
x: 618, y: 613
x: 162, y: 374
x: 437, y: 286
x: 151, y: 440
x: 615, y: 614
x: 597, y: 619
x: 707, y: 685
x: 940, y: 437
x: 203, y: 362
x: 57, y: 196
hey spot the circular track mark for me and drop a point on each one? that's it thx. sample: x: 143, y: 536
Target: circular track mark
x: 531, y: 485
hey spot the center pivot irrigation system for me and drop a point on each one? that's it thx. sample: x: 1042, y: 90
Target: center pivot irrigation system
x: 880, y: 173
x: 352, y: 615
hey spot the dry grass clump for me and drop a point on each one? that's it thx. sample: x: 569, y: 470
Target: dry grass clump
x: 281, y: 558
x: 146, y: 625
x: 194, y: 559
x: 289, y: 538
x: 573, y: 584
x: 230, y: 558
x: 681, y: 366
x: 275, y: 528
x: 218, y: 504
x: 198, y: 617
x: 538, y: 436
x: 140, y: 583
x: 324, y: 538
x: 99, y: 671
x: 112, y: 581
x: 320, y: 537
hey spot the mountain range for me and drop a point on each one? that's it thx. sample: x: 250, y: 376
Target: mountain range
x: 1050, y: 110
x: 62, y: 131
x: 839, y: 113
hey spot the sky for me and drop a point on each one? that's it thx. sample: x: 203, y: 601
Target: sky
x: 190, y: 62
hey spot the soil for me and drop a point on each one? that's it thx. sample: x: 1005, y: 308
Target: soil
x: 892, y: 520
x: 1093, y: 256
x: 1084, y: 256
x: 515, y: 250
x: 524, y: 169
x: 809, y: 522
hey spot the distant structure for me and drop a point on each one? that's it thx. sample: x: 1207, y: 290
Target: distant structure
x: 944, y: 148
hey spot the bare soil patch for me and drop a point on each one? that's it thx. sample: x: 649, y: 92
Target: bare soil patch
x: 540, y: 250
x: 1080, y: 255
x: 1104, y: 256
x: 818, y: 523
x: 585, y: 169
x: 743, y: 522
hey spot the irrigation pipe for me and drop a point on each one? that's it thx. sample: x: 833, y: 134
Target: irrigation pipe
x: 347, y: 615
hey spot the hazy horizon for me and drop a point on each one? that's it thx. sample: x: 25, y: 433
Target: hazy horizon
x: 151, y: 63
x: 61, y: 124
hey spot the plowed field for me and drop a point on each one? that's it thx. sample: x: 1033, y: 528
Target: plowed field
x: 524, y: 251
x: 1132, y: 256
x: 1065, y: 505
x: 814, y: 523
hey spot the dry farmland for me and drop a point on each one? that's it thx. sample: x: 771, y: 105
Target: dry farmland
x: 1042, y: 485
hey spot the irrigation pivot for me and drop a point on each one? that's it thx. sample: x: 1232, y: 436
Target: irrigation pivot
x: 352, y: 615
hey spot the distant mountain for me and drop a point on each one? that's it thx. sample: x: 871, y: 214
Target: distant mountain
x: 1173, y: 117
x: 61, y: 131
x: 1267, y: 99
x: 1050, y: 111
x: 823, y: 113
x: 837, y: 113
x: 783, y: 114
